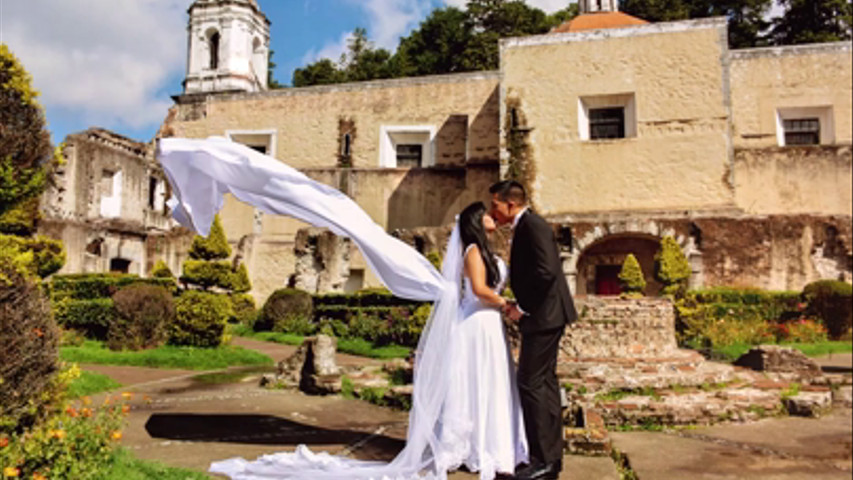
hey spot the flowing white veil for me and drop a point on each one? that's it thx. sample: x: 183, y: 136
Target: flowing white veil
x: 202, y: 171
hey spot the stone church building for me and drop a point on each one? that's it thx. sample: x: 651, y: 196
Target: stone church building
x: 622, y: 130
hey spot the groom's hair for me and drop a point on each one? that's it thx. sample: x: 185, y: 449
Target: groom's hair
x: 509, y: 190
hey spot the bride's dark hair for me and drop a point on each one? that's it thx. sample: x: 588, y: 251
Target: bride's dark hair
x: 471, y: 230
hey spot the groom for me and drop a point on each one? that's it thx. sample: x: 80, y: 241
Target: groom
x: 543, y: 310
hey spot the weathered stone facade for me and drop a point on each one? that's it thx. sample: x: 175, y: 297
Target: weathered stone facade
x: 108, y: 207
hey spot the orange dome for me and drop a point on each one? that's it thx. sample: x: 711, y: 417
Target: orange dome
x: 595, y: 21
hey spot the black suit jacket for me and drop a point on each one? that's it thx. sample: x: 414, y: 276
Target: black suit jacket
x: 536, y: 277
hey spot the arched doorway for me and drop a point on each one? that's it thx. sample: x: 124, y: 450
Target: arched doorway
x: 599, y: 264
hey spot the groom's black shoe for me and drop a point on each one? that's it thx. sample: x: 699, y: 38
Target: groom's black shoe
x: 540, y: 471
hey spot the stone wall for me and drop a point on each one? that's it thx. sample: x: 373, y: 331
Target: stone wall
x: 610, y: 327
x: 460, y: 110
x: 809, y: 179
x: 671, y: 77
x: 764, y: 80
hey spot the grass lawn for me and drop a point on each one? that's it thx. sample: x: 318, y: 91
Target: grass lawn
x: 90, y: 383
x: 352, y: 346
x: 167, y: 356
x: 732, y: 352
x: 125, y: 467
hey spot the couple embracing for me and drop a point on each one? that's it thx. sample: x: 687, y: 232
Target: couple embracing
x: 470, y: 405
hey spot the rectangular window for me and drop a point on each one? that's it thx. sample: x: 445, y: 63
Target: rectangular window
x: 152, y: 191
x: 802, y: 131
x: 606, y: 123
x: 259, y: 148
x: 409, y: 156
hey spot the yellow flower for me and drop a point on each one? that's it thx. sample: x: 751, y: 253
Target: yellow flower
x: 38, y: 476
x: 57, y: 434
x: 87, y: 412
x: 87, y: 401
x: 10, y: 472
x: 127, y: 395
x: 116, y: 435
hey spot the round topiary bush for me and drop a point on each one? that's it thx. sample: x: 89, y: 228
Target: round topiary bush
x: 200, y: 319
x: 30, y: 341
x: 285, y: 310
x: 161, y: 270
x: 832, y: 302
x: 142, y: 315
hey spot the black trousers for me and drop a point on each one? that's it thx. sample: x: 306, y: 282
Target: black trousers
x: 540, y: 395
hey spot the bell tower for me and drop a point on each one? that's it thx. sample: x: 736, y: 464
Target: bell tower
x: 228, y: 47
x: 593, y: 6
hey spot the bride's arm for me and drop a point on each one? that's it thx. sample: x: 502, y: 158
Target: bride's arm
x: 475, y: 270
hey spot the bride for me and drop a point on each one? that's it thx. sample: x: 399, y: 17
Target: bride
x: 465, y: 404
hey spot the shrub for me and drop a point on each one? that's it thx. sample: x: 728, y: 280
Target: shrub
x: 208, y: 274
x: 281, y: 305
x: 161, y: 270
x: 244, y: 310
x: 88, y: 286
x: 404, y: 326
x: 40, y: 256
x: 142, y: 314
x: 200, y: 319
x: 214, y: 247
x: 672, y: 267
x: 90, y: 317
x: 30, y: 340
x: 832, y: 302
x: 434, y: 257
x: 21, y: 219
x: 296, y: 325
x: 368, y: 326
x: 240, y: 282
x: 724, y: 315
x: 70, y: 443
x: 631, y: 276
x: 801, y: 331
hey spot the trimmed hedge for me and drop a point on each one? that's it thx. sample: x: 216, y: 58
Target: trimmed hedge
x: 200, y: 319
x: 284, y: 310
x: 206, y: 274
x: 88, y: 286
x: 92, y: 317
x: 832, y: 302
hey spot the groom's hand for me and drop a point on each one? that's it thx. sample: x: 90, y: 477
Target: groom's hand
x: 512, y: 311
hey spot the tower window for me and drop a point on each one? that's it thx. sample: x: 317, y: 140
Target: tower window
x: 802, y: 131
x: 152, y: 191
x: 346, y: 145
x: 214, y: 51
x: 606, y: 123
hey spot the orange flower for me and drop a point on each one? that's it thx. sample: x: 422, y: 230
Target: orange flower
x: 11, y: 472
x: 127, y: 395
x: 71, y: 411
x: 57, y: 434
x: 87, y: 401
x: 4, y: 442
x: 39, y: 333
x: 38, y: 476
x: 125, y: 409
x: 87, y: 412
x: 116, y: 435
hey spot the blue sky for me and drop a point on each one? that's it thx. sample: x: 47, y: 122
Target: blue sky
x: 115, y: 63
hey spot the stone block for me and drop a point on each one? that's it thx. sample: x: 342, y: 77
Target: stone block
x: 808, y: 404
x: 773, y: 358
x: 843, y: 397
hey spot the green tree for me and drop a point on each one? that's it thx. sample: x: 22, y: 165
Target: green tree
x: 631, y: 276
x: 672, y: 267
x: 562, y: 16
x: 272, y: 83
x: 436, y: 46
x: 746, y: 17
x: 26, y: 155
x: 214, y: 246
x: 321, y: 72
x: 491, y: 20
x: 809, y: 21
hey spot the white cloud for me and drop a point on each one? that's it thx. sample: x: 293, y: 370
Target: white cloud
x: 108, y: 60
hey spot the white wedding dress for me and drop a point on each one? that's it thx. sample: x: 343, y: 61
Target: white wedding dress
x: 465, y: 407
x: 483, y: 403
